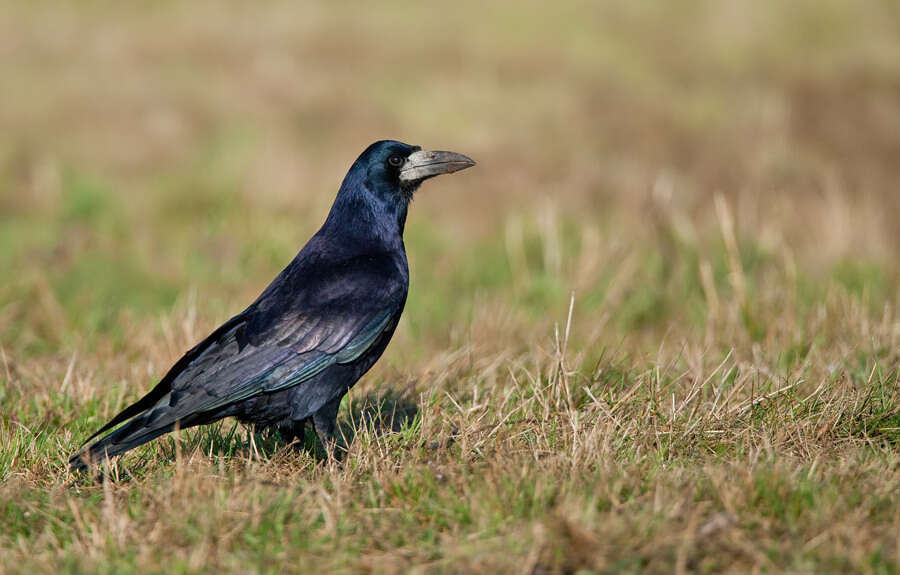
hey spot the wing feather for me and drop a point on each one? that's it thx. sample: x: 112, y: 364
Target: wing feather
x: 286, y: 349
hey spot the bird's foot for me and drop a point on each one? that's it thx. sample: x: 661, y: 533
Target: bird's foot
x: 333, y: 449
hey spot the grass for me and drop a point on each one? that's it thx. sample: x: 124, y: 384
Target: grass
x: 655, y: 330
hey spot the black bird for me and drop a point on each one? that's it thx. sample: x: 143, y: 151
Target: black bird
x: 319, y: 326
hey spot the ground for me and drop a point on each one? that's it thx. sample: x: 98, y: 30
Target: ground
x: 655, y: 330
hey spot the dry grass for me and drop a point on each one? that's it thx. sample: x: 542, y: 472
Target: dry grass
x: 656, y: 330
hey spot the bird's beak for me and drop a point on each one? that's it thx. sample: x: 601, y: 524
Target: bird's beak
x: 426, y: 164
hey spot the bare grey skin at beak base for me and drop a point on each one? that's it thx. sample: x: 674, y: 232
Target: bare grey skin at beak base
x: 426, y: 164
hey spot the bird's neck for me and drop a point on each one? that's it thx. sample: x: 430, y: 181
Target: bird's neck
x: 366, y: 218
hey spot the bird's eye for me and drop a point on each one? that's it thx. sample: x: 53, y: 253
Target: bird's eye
x: 395, y: 161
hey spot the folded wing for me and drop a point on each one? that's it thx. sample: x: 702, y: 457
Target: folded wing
x: 301, y: 325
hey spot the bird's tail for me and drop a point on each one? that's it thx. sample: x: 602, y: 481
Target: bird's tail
x: 138, y: 430
x: 134, y: 433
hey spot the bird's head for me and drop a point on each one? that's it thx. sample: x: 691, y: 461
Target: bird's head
x: 402, y: 168
x: 385, y: 176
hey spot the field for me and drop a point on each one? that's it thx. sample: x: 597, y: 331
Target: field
x: 655, y: 330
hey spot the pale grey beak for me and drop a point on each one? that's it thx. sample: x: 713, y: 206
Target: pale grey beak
x: 426, y: 164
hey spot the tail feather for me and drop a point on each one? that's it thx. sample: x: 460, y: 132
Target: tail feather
x: 138, y: 431
x: 148, y: 418
x: 129, y: 436
x: 142, y: 405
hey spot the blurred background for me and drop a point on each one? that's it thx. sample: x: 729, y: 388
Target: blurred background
x: 675, y: 164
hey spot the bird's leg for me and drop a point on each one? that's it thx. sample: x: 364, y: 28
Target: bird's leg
x: 325, y: 422
x: 285, y: 432
x: 292, y: 432
x: 298, y: 428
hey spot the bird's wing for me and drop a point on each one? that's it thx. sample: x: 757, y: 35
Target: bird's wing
x: 300, y: 326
